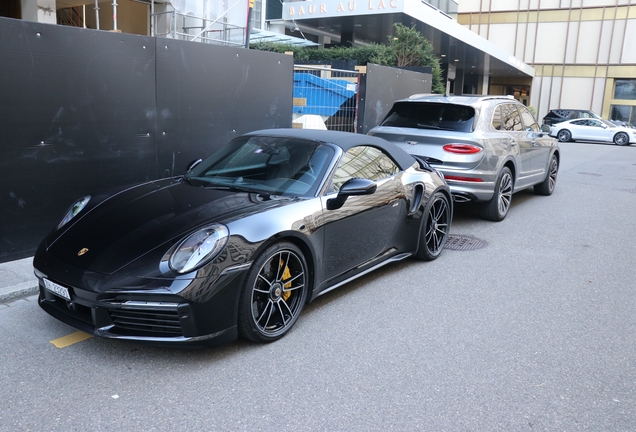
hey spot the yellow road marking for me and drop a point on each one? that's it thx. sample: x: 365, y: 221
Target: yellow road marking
x: 71, y: 339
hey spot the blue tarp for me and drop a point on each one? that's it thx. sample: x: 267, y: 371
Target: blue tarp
x: 324, y: 96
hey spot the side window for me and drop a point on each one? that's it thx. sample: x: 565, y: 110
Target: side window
x: 364, y: 162
x: 496, y: 118
x: 594, y: 123
x: 580, y: 122
x: 528, y: 119
x: 511, y: 118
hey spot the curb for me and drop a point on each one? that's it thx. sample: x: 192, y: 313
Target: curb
x: 19, y: 292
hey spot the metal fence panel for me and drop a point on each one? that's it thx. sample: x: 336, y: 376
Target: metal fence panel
x: 325, y: 98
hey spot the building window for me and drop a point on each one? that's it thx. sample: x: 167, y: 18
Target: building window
x: 623, y: 113
x: 625, y: 89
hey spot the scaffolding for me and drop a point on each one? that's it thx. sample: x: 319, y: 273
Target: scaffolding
x: 176, y: 25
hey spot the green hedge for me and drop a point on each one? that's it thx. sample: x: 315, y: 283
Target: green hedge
x: 407, y: 48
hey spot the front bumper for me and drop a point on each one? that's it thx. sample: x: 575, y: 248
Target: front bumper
x: 153, y: 322
x: 195, y: 312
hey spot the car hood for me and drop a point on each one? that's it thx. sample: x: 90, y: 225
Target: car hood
x: 131, y: 223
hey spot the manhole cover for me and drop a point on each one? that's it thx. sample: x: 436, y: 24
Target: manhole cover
x: 464, y: 243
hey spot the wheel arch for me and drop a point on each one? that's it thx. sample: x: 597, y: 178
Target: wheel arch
x: 305, y: 247
x: 445, y: 190
x: 566, y: 130
x: 557, y: 153
x: 621, y: 133
x: 513, y: 170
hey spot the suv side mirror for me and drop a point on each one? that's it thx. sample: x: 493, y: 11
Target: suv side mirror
x: 354, y: 186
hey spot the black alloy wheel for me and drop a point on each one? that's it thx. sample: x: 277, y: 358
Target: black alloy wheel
x: 564, y: 135
x: 546, y: 187
x: 274, y: 293
x: 435, y: 229
x: 621, y: 139
x: 497, y: 208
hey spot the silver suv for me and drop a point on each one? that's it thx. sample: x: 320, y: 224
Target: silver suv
x: 487, y: 147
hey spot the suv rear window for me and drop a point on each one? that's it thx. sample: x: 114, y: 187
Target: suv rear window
x: 422, y: 115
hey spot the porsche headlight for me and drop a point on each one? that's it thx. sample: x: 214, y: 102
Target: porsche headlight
x: 74, y: 210
x: 199, y: 248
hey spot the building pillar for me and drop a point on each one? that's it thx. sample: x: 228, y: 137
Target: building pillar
x: 42, y: 11
x: 347, y: 32
x: 324, y: 40
x: 459, y: 82
x: 347, y: 38
x: 485, y: 79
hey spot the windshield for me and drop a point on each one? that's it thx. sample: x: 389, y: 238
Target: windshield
x: 265, y: 164
x: 423, y: 115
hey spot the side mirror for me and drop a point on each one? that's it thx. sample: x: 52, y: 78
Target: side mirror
x: 192, y: 164
x: 545, y: 128
x: 354, y: 186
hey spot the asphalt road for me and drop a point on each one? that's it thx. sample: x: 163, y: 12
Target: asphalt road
x: 534, y: 331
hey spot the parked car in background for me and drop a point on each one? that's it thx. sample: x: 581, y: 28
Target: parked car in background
x: 241, y: 242
x: 487, y: 147
x: 623, y: 124
x: 593, y: 130
x: 560, y: 115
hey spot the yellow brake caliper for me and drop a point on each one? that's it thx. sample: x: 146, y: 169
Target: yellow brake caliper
x: 286, y: 275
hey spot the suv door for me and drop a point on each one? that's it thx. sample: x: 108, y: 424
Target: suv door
x: 520, y: 144
x: 541, y: 143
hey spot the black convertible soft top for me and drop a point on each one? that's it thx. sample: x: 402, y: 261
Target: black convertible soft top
x: 344, y: 140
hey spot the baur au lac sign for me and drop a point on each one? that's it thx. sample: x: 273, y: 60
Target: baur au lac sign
x: 331, y: 8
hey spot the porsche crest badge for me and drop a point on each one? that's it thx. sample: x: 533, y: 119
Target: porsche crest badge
x: 82, y: 251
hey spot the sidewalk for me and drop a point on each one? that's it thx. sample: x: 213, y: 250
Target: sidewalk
x: 17, y: 280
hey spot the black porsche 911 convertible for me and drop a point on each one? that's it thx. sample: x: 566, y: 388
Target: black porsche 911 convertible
x: 240, y: 243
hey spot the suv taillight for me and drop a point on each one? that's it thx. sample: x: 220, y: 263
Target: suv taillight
x: 461, y: 148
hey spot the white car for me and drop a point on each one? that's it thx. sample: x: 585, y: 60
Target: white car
x: 589, y: 129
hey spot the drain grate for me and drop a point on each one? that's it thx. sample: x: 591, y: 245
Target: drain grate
x: 464, y: 243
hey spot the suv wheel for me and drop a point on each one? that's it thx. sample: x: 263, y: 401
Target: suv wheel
x: 547, y: 186
x: 497, y: 208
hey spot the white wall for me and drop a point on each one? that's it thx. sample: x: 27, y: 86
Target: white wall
x: 43, y: 11
x: 550, y: 45
x: 588, y: 41
x: 503, y: 35
x: 576, y: 93
x: 629, y: 43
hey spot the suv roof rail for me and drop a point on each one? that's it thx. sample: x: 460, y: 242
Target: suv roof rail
x: 478, y: 97
x: 419, y: 95
x: 496, y: 97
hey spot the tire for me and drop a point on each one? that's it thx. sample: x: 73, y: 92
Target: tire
x: 546, y: 187
x: 564, y: 135
x: 621, y: 139
x: 435, y: 226
x: 274, y: 293
x: 497, y: 208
